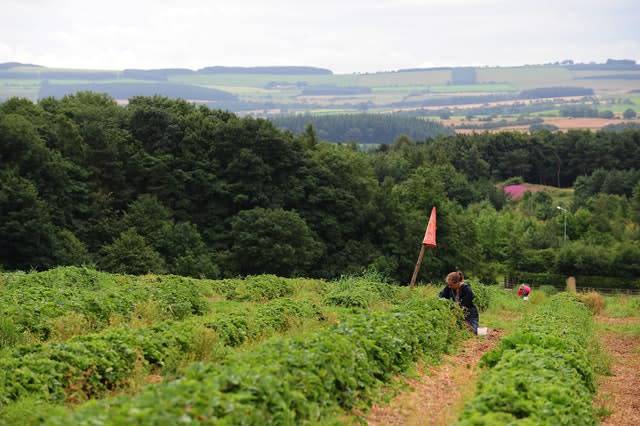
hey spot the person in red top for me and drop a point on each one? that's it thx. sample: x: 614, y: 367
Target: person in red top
x: 523, y: 291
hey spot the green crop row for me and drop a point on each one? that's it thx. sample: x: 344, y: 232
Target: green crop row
x: 36, y: 303
x: 483, y: 294
x: 86, y: 366
x: 89, y: 366
x: 541, y: 374
x: 32, y: 301
x: 235, y: 328
x: 258, y: 288
x: 359, y: 291
x: 91, y: 279
x: 296, y: 380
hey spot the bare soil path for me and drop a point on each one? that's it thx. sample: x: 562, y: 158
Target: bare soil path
x: 619, y: 393
x: 438, y: 393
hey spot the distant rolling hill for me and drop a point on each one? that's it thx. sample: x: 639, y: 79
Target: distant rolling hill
x: 129, y: 90
x: 476, y: 98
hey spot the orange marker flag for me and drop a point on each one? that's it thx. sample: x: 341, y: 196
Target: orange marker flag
x: 430, y: 234
x: 429, y: 240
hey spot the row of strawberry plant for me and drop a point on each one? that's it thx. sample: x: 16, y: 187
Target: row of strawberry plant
x: 90, y: 279
x: 359, y: 291
x: 89, y: 366
x: 369, y: 288
x: 277, y: 316
x: 300, y: 379
x: 258, y: 288
x: 353, y: 291
x: 32, y: 301
x: 541, y: 374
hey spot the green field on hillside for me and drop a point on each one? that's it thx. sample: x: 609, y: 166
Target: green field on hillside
x: 527, y: 77
x: 261, y: 80
x: 263, y: 93
x: 473, y: 88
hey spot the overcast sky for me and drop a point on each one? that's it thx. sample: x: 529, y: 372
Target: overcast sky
x: 345, y: 36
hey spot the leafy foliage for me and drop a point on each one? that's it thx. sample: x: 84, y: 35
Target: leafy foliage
x: 272, y: 241
x: 362, y: 128
x: 359, y: 291
x: 482, y: 295
x: 89, y: 366
x: 130, y: 254
x: 254, y: 288
x: 32, y: 301
x: 165, y: 185
x: 540, y: 374
x: 291, y: 380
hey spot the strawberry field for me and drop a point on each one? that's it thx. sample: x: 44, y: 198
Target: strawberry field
x: 80, y: 346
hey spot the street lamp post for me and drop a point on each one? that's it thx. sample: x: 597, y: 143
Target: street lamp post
x: 564, y: 213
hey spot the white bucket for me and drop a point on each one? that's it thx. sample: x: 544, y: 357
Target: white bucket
x: 482, y: 331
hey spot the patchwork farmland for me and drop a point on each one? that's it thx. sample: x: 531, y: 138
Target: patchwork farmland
x: 469, y: 99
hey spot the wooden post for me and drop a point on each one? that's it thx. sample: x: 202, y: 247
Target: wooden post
x: 429, y: 240
x: 418, y: 263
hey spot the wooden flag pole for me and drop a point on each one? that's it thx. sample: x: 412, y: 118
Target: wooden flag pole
x: 418, y: 263
x: 429, y: 240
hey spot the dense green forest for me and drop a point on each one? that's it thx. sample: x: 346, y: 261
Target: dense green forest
x: 362, y: 128
x: 165, y: 186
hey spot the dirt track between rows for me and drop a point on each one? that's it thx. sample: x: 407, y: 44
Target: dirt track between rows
x: 438, y: 393
x: 619, y: 393
x: 436, y: 396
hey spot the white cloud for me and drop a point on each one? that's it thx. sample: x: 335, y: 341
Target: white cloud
x: 345, y: 36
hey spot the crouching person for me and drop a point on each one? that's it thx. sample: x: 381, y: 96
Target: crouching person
x: 462, y: 294
x: 524, y: 291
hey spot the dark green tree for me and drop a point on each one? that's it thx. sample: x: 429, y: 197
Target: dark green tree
x: 157, y: 122
x: 273, y: 241
x: 130, y: 254
x: 150, y: 218
x: 186, y: 253
x: 26, y: 230
x: 309, y: 137
x: 336, y: 203
x: 67, y: 249
x: 629, y: 114
x: 635, y: 203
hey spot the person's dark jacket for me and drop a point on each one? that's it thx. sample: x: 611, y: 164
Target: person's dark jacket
x: 466, y: 300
